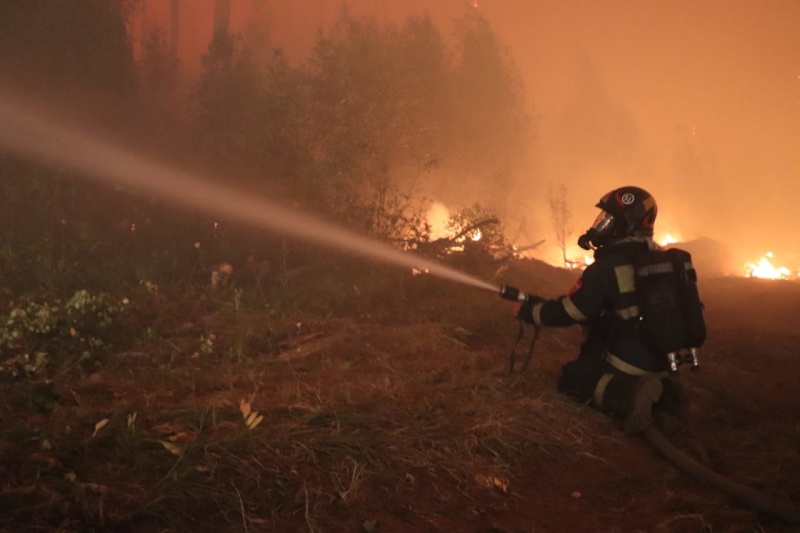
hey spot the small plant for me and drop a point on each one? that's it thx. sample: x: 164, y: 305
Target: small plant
x: 237, y: 299
x: 30, y: 333
x: 207, y: 344
x: 347, y: 479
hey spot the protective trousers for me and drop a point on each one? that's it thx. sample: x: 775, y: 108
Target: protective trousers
x: 631, y: 398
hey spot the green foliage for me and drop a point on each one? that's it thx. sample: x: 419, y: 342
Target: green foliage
x: 33, y: 333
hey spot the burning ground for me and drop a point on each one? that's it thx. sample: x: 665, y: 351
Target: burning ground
x: 369, y: 399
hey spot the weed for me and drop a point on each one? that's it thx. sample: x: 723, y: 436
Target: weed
x: 31, y: 332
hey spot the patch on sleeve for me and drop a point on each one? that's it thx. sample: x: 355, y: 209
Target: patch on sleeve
x: 575, y: 288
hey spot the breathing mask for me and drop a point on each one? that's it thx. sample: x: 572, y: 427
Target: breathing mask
x: 599, y: 233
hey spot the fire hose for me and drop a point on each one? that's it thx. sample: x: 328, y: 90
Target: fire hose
x: 513, y: 294
x: 759, y: 501
x: 784, y: 510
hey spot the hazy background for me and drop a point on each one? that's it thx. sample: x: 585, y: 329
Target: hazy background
x: 697, y: 101
x: 701, y: 100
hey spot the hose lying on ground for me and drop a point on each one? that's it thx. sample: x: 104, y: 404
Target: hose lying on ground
x: 784, y: 510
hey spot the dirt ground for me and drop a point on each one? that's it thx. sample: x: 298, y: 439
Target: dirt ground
x: 392, y: 410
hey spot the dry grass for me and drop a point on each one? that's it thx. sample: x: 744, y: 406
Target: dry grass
x: 397, y: 417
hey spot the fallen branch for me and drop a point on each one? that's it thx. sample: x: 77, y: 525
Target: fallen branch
x: 294, y: 342
x: 445, y: 243
x: 472, y: 227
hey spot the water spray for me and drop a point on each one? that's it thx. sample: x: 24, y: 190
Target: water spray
x: 36, y: 136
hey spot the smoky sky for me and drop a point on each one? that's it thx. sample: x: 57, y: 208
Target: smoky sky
x: 697, y: 101
x: 711, y: 90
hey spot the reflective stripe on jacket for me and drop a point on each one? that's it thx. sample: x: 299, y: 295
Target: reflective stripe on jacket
x: 604, y: 299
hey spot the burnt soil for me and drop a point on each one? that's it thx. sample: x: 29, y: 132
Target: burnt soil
x: 388, y: 406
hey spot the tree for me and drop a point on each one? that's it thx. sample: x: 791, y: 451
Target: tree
x: 74, y: 57
x: 74, y: 53
x: 376, y: 102
x: 561, y: 217
x: 228, y: 97
x: 160, y: 83
x: 490, y: 134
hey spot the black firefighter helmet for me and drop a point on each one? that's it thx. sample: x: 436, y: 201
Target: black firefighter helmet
x: 625, y: 212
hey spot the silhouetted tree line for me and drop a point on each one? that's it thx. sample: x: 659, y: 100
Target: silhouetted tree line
x: 351, y: 134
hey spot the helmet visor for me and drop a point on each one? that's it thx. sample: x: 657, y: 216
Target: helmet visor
x: 603, y: 224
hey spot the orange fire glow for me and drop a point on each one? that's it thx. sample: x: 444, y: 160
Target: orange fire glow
x: 581, y: 263
x: 573, y: 251
x: 443, y: 227
x: 667, y: 239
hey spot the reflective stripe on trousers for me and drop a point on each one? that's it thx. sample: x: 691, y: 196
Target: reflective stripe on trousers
x: 624, y: 368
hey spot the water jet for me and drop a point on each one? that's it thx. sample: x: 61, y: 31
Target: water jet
x: 36, y: 136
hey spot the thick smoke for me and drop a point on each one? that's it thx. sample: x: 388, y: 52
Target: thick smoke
x: 699, y: 102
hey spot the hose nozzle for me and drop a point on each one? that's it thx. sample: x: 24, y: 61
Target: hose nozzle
x: 512, y: 294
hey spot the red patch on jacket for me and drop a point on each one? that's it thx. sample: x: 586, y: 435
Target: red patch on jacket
x: 576, y: 287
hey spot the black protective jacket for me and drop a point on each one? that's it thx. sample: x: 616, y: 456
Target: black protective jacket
x: 604, y: 301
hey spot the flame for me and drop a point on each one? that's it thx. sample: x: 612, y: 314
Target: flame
x: 438, y: 216
x: 441, y: 226
x: 765, y: 269
x: 579, y: 263
x: 577, y: 259
x: 667, y: 239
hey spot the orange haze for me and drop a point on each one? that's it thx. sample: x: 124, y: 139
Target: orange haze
x: 699, y: 102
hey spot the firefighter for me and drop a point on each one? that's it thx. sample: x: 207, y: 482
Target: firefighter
x: 615, y: 370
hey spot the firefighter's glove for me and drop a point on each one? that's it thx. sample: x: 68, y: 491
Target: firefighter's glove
x: 525, y: 312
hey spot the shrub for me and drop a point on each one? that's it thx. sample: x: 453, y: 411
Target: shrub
x: 32, y: 333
